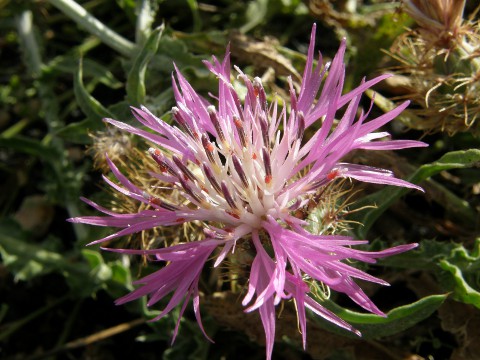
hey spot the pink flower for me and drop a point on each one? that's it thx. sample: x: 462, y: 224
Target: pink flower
x: 242, y: 170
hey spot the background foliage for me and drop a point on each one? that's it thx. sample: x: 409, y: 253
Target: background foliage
x: 64, y: 66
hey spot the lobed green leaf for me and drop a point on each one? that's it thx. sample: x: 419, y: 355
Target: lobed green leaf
x: 462, y: 290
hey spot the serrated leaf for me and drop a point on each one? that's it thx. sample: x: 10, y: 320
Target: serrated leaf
x: 383, y: 199
x: 462, y: 290
x: 122, y: 110
x: 136, y: 76
x: 467, y: 261
x: 373, y: 326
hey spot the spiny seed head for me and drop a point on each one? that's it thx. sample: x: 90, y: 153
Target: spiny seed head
x: 112, y: 141
x: 440, y: 67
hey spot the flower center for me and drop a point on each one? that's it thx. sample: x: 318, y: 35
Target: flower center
x: 237, y: 175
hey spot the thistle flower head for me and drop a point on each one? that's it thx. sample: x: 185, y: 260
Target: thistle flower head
x: 243, y: 169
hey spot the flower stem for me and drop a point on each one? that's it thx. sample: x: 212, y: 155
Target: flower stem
x: 91, y: 24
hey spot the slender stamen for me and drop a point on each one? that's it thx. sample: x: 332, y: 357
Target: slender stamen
x: 238, y: 105
x: 216, y: 123
x: 300, y: 125
x: 196, y: 196
x: 214, y: 234
x: 182, y: 123
x: 316, y: 184
x: 240, y: 130
x: 295, y: 205
x: 239, y: 170
x: 260, y: 92
x: 264, y: 128
x: 183, y: 168
x: 162, y: 162
x: 156, y: 201
x: 168, y: 206
x: 211, y: 178
x: 209, y: 148
x: 267, y: 165
x: 228, y: 196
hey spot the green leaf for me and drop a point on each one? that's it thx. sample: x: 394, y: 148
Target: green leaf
x: 78, y: 132
x: 145, y: 11
x: 383, y: 199
x: 425, y: 257
x: 30, y: 260
x: 173, y: 49
x: 89, y: 105
x: 373, y: 326
x: 93, y: 258
x: 160, y: 104
x: 121, y: 274
x: 100, y: 272
x: 456, y: 268
x: 255, y: 14
x: 462, y: 290
x: 210, y: 42
x: 197, y: 20
x: 31, y: 147
x: 461, y: 273
x: 90, y: 68
x: 136, y: 76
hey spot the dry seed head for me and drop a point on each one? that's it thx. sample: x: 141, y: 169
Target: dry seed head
x: 439, y: 17
x: 115, y: 143
x: 441, y: 60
